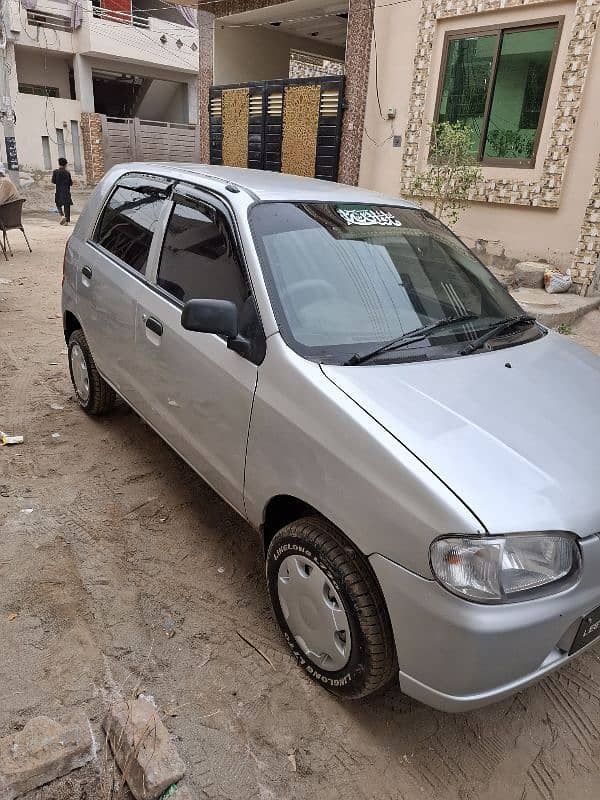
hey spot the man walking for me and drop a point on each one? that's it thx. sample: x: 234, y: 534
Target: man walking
x: 61, y: 178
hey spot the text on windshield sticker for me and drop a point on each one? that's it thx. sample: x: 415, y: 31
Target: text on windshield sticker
x: 368, y: 216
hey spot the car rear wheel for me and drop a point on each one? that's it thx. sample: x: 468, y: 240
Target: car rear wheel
x: 93, y: 394
x: 330, y: 608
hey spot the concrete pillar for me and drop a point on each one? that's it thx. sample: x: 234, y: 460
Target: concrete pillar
x: 206, y: 35
x: 358, y: 54
x: 84, y: 86
x: 13, y: 78
x: 192, y: 100
x: 10, y: 151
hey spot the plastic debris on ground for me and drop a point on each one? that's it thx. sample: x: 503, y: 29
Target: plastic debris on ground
x: 169, y: 627
x: 556, y: 282
x: 5, y: 438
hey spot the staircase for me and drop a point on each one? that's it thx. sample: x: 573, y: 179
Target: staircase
x: 526, y: 285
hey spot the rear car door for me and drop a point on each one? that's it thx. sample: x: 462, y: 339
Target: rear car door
x: 111, y: 274
x: 200, y: 392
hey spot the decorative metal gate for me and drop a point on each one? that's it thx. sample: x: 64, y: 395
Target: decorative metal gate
x: 127, y: 139
x: 287, y: 125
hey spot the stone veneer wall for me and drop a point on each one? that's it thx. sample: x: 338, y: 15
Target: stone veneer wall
x: 586, y: 262
x: 93, y: 147
x: 304, y: 65
x: 359, y: 35
x: 543, y: 192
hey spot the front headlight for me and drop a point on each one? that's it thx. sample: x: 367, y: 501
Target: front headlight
x: 497, y: 569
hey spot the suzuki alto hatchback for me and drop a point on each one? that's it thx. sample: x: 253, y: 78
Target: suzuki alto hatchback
x: 419, y: 455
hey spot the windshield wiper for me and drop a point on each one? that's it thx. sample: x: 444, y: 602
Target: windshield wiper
x: 499, y: 328
x: 417, y: 335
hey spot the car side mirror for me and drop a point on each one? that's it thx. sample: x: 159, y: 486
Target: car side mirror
x: 211, y: 316
x: 219, y: 317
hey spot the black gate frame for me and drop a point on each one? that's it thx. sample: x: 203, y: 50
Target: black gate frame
x: 265, y: 129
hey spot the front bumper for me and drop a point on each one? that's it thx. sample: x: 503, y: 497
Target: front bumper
x: 456, y: 655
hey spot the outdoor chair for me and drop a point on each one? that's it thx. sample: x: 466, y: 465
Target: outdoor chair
x: 10, y: 220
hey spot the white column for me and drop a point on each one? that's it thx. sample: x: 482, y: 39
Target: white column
x: 192, y: 93
x: 84, y: 86
x: 13, y: 78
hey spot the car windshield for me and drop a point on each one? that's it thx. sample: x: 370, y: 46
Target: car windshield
x: 345, y: 279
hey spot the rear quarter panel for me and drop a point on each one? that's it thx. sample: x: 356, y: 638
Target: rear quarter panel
x: 81, y: 232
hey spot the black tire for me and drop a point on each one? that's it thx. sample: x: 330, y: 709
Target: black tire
x: 372, y: 664
x: 101, y: 396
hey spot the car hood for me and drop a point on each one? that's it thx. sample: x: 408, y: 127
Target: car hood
x: 518, y: 444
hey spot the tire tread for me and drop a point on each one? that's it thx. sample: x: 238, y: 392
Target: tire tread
x: 102, y: 396
x: 361, y: 583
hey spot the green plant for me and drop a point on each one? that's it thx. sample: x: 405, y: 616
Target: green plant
x: 510, y: 144
x: 566, y: 330
x: 451, y: 173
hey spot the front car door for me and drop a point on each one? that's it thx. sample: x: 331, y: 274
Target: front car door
x: 200, y: 393
x: 111, y: 274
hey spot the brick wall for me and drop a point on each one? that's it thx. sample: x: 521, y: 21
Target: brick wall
x: 93, y: 148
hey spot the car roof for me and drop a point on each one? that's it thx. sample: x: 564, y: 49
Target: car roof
x: 265, y: 185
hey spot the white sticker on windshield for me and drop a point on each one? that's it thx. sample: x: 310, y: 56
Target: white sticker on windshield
x: 368, y: 216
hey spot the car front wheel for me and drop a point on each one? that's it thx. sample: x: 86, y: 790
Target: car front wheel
x: 330, y: 608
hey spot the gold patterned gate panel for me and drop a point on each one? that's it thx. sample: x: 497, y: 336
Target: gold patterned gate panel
x: 235, y: 127
x: 300, y: 126
x: 291, y: 125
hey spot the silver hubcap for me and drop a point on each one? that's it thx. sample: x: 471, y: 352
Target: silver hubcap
x: 314, y: 612
x: 81, y: 379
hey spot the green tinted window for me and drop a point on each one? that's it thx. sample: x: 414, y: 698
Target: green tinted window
x: 521, y: 77
x: 466, y: 82
x: 495, y: 83
x: 41, y: 91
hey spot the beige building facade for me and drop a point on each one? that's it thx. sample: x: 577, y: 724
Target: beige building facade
x: 548, y: 208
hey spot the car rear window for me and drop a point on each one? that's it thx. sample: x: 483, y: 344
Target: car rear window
x: 127, y: 224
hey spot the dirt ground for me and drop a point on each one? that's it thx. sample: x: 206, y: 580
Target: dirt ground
x: 120, y: 567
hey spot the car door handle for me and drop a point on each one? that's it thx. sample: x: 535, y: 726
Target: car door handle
x: 154, y: 325
x: 86, y: 272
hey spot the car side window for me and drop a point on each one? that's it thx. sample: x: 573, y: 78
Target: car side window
x: 128, y: 223
x: 198, y: 258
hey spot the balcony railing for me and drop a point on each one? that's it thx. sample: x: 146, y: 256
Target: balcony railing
x: 46, y: 19
x: 123, y: 17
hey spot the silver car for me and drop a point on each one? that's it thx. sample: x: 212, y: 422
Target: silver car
x: 418, y: 455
